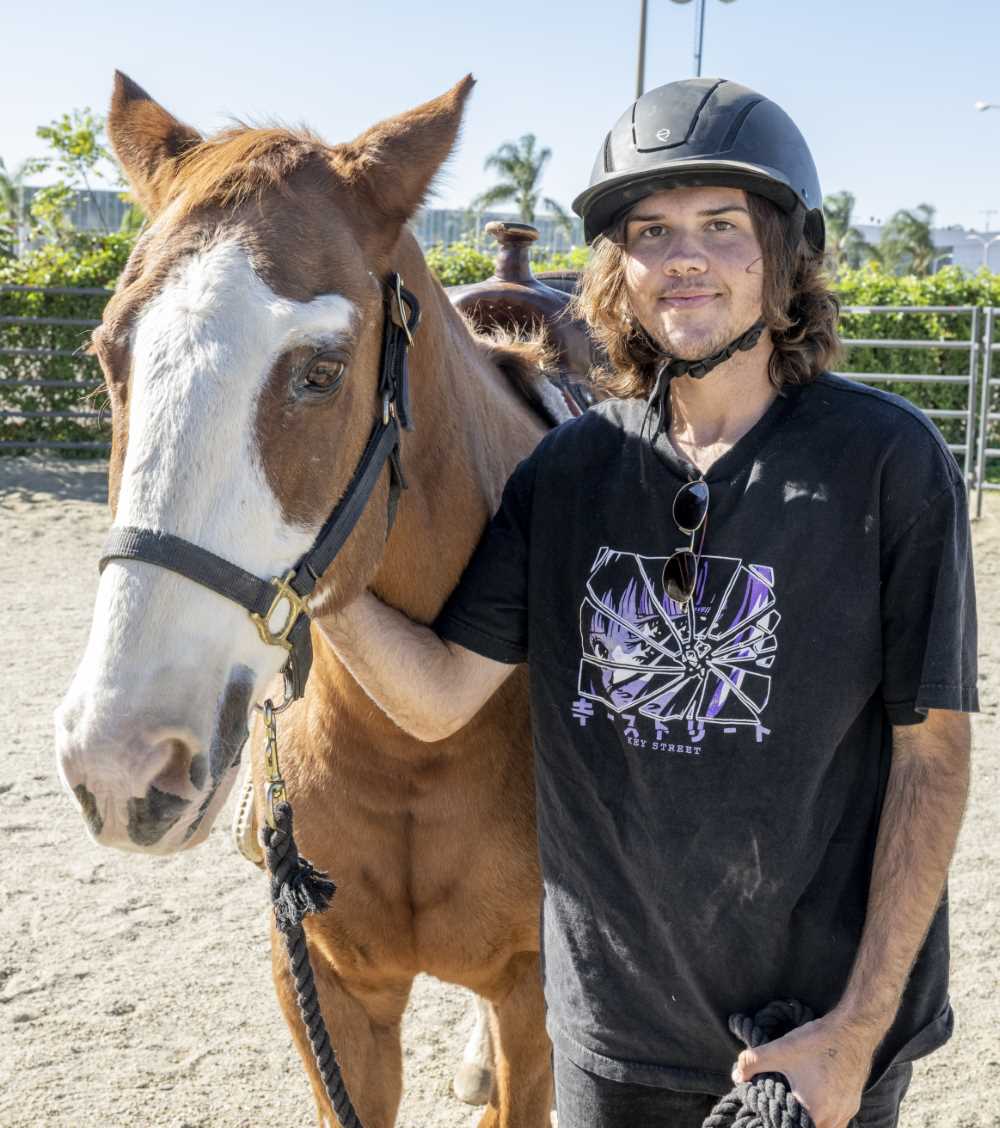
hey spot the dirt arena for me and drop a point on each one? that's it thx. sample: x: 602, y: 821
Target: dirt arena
x: 136, y: 991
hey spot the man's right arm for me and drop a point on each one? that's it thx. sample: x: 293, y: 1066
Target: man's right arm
x: 430, y: 687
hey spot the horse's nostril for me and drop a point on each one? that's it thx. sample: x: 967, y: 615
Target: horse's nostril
x: 177, y: 760
x: 169, y: 784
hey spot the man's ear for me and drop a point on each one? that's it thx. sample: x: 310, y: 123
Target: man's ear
x: 147, y: 141
x: 395, y: 161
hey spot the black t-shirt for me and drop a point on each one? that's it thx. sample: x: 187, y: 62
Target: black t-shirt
x: 710, y: 778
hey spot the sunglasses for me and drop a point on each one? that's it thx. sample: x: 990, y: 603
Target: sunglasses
x: 680, y: 573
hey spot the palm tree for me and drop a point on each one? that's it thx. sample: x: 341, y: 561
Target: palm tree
x: 845, y: 245
x: 520, y: 167
x: 13, y: 209
x: 907, y: 245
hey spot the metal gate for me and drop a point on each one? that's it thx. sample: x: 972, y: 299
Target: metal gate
x: 28, y: 364
x: 966, y: 448
x: 989, y: 415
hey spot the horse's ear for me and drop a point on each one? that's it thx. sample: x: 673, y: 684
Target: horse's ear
x: 396, y: 160
x: 147, y: 140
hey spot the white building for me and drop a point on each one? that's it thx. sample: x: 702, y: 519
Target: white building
x: 453, y: 225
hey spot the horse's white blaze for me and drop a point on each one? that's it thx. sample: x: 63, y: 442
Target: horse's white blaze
x: 160, y: 646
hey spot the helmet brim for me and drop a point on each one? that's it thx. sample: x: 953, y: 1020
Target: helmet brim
x: 605, y: 203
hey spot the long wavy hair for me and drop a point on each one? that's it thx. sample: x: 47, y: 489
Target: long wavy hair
x: 799, y: 308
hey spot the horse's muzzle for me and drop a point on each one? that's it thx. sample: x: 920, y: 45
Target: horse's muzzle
x: 139, y: 794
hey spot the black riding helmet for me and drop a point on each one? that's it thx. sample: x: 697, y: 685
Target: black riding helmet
x: 703, y: 131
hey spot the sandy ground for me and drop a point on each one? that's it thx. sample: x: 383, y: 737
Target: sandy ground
x: 136, y: 991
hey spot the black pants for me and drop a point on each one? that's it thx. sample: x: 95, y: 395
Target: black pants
x: 585, y: 1100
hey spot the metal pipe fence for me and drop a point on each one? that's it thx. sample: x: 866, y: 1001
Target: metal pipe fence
x: 970, y: 421
x: 989, y: 419
x: 970, y: 344
x: 32, y: 392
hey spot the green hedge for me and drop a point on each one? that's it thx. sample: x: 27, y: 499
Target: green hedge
x: 97, y: 263
x: 459, y: 264
x: 91, y: 264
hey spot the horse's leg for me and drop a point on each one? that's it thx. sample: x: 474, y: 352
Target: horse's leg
x: 474, y: 1078
x: 364, y: 1030
x: 522, y: 1088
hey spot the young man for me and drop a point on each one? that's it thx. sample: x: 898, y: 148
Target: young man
x: 744, y: 591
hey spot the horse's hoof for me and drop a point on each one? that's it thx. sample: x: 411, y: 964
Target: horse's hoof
x: 472, y: 1083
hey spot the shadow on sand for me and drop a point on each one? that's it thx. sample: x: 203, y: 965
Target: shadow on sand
x: 35, y: 478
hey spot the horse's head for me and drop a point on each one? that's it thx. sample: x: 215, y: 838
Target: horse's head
x: 241, y: 355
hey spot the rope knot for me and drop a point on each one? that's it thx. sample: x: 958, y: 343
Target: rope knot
x: 297, y: 887
x: 766, y: 1101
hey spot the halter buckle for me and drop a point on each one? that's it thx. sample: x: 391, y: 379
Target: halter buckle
x: 285, y: 593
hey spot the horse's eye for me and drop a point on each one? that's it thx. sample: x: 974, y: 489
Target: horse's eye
x: 324, y: 374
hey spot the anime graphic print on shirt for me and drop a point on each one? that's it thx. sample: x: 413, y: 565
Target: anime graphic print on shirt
x: 669, y: 674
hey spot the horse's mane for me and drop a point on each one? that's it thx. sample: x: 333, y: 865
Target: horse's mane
x: 237, y: 164
x: 525, y: 359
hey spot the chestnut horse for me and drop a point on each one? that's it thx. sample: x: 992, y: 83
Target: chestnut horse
x: 241, y: 356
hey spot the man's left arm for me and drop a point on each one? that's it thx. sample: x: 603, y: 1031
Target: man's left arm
x: 827, y: 1061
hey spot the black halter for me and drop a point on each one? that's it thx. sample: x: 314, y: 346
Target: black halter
x: 264, y: 599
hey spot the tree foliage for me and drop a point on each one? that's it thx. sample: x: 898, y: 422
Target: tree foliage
x: 520, y: 166
x: 75, y: 160
x: 845, y: 245
x: 459, y: 263
x: 906, y: 245
x: 575, y: 259
x: 13, y: 213
x: 78, y: 156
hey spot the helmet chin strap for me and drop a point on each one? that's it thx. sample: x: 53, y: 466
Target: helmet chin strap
x: 699, y: 369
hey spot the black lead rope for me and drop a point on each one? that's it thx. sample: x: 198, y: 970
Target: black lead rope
x: 298, y: 889
x: 767, y: 1101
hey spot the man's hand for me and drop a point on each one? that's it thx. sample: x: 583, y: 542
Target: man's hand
x: 826, y: 1063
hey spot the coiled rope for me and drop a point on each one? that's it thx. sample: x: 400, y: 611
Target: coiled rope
x: 766, y: 1101
x: 298, y: 889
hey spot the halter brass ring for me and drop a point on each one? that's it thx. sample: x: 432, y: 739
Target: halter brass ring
x: 296, y: 607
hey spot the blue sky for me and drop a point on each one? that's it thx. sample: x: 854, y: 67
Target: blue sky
x: 883, y: 91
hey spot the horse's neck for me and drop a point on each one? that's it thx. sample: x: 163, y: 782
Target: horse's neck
x: 471, y: 430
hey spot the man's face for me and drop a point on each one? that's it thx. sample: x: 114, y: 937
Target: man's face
x: 693, y: 268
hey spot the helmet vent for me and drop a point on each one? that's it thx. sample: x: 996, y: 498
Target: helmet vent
x: 682, y: 127
x: 608, y: 163
x: 734, y: 130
